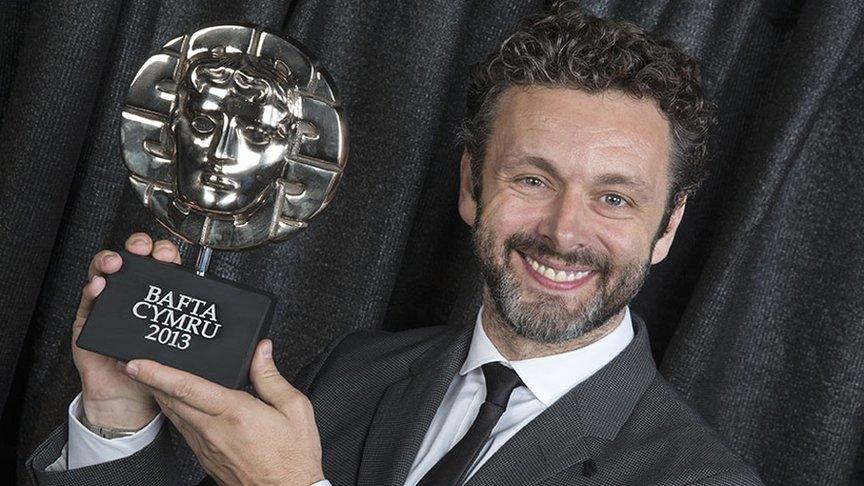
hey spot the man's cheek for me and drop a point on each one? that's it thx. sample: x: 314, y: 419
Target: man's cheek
x: 624, y: 244
x: 517, y: 217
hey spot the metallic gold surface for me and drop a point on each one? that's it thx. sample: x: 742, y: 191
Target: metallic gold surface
x: 234, y: 137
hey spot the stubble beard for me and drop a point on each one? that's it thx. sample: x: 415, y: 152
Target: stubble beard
x: 543, y: 317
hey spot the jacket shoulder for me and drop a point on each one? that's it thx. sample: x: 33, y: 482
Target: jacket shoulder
x: 370, y: 351
x: 349, y: 383
x: 674, y: 445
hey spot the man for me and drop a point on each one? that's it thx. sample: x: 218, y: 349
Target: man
x: 585, y: 138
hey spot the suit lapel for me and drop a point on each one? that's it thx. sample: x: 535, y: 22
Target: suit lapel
x: 551, y: 442
x: 407, y: 409
x: 579, y: 424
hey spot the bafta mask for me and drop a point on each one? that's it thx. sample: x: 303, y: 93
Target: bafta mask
x: 234, y: 137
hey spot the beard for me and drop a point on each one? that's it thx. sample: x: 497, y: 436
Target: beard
x: 546, y: 318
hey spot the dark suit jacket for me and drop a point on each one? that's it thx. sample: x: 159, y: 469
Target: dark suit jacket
x: 375, y: 393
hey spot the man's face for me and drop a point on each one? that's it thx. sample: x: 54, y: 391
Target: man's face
x: 573, y: 191
x: 229, y: 150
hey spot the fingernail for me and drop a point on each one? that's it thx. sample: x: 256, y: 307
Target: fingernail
x: 132, y: 369
x: 137, y: 241
x: 109, y: 258
x: 267, y: 349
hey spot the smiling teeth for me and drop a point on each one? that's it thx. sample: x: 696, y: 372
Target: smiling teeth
x: 551, y: 274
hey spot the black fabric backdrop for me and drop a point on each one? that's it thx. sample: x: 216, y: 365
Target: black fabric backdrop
x: 756, y: 316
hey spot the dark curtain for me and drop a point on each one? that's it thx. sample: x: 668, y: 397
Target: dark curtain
x: 757, y: 316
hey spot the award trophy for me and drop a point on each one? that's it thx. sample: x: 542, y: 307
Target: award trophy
x: 234, y: 137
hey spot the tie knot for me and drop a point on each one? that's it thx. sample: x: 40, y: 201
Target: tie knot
x: 500, y: 382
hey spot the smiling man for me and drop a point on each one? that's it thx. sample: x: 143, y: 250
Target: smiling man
x: 584, y: 139
x: 569, y: 213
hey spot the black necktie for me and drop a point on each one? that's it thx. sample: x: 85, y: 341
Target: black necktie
x: 453, y: 467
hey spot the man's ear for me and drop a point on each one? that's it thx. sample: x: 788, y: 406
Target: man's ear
x: 467, y: 204
x: 661, y: 247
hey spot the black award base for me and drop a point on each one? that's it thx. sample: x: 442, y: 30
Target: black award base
x: 208, y: 326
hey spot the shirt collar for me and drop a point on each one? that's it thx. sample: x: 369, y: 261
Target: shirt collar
x: 550, y: 377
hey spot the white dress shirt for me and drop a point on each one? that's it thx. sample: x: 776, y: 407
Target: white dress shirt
x: 546, y: 380
x: 84, y: 448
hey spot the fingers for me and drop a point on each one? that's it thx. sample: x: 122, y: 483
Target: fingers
x: 206, y: 396
x: 166, y: 251
x: 162, y: 250
x: 179, y: 412
x: 139, y: 244
x: 195, y: 437
x: 105, y: 262
x: 191, y: 431
x: 269, y: 383
x: 88, y: 296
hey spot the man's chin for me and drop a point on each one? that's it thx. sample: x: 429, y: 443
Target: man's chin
x: 542, y: 321
x: 547, y: 335
x: 552, y: 318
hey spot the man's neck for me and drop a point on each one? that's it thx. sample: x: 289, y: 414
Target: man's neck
x: 515, y: 347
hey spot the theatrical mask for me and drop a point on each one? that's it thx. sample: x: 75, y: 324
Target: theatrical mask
x: 234, y: 137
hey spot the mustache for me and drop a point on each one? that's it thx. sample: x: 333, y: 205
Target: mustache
x: 526, y: 243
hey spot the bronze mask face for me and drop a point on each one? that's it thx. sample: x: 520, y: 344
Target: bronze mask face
x: 234, y: 137
x: 233, y: 129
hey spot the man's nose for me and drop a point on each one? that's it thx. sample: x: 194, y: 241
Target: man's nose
x: 566, y: 224
x: 226, y: 148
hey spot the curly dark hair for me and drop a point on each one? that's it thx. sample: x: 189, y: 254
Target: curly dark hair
x: 566, y: 47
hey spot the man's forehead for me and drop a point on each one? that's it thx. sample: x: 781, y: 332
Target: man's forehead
x: 611, y: 115
x: 561, y: 123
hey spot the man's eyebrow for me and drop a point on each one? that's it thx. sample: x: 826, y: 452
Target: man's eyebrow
x: 606, y: 179
x: 618, y: 179
x: 541, y: 163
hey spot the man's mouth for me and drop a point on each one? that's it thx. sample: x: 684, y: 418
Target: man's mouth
x: 556, y: 278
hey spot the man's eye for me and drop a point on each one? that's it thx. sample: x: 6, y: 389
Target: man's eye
x: 256, y: 135
x: 614, y: 200
x: 203, y: 124
x: 531, y: 181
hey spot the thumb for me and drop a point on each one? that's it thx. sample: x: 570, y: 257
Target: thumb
x: 268, y: 382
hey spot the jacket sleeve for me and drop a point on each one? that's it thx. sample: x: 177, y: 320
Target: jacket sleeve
x: 153, y: 465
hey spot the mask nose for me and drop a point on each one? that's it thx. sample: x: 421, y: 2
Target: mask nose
x: 226, y: 148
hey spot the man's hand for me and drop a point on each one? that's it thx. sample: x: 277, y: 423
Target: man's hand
x: 109, y: 397
x: 238, y: 438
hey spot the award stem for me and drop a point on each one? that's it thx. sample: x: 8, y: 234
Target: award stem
x: 204, y: 254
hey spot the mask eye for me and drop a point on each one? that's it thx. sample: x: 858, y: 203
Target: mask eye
x: 256, y: 136
x: 202, y: 124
